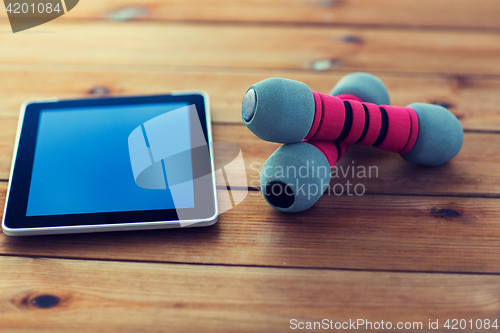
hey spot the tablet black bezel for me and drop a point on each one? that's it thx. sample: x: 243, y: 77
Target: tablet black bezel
x: 17, y: 201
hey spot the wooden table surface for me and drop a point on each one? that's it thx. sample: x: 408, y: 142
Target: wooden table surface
x: 422, y: 243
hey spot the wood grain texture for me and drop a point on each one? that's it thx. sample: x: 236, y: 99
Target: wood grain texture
x: 257, y: 47
x: 375, y: 232
x: 348, y: 257
x: 95, y: 296
x: 473, y: 172
x: 473, y: 100
x: 398, y: 13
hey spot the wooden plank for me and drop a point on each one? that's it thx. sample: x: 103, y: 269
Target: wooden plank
x: 7, y: 139
x: 473, y: 172
x: 474, y: 101
x: 399, y: 13
x: 130, y: 297
x: 236, y: 46
x: 375, y: 232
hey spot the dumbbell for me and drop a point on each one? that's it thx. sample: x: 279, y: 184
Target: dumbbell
x: 287, y: 111
x: 296, y: 175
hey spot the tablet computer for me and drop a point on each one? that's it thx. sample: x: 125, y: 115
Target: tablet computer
x: 106, y: 164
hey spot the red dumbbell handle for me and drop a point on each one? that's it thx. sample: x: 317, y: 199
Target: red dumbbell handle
x: 349, y: 120
x: 333, y: 150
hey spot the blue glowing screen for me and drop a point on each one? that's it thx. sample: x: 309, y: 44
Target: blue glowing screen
x: 82, y: 161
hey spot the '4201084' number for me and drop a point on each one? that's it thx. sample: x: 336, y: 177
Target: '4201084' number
x: 456, y: 324
x: 24, y: 8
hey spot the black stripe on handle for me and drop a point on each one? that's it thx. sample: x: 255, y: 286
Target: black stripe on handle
x: 383, y: 129
x: 367, y: 122
x: 348, y: 121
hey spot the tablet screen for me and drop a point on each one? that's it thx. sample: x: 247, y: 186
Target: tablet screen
x: 82, y: 162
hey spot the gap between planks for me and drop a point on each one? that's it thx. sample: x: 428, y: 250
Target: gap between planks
x: 448, y: 195
x: 215, y: 265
